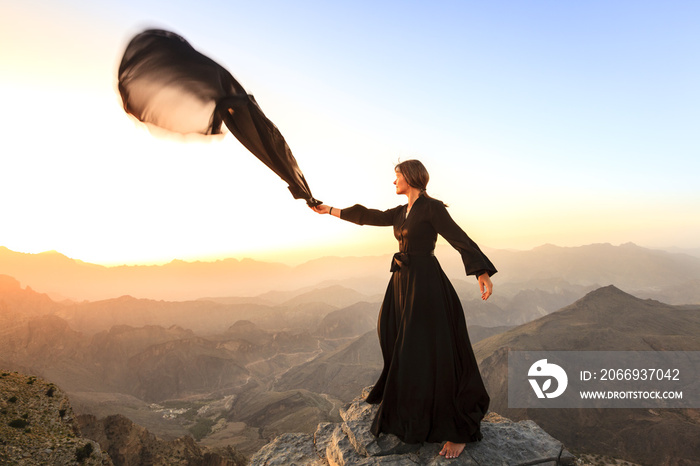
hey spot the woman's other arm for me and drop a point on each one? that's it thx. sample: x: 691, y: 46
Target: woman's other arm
x: 474, y: 260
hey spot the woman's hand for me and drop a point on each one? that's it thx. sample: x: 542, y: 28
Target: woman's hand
x: 324, y: 209
x: 321, y: 209
x: 485, y: 286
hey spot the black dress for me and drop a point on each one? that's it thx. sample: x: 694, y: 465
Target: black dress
x: 430, y: 389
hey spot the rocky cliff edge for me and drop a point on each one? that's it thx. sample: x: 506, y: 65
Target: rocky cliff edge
x: 37, y: 425
x: 351, y: 443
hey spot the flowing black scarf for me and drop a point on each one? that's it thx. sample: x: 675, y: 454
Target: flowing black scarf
x: 164, y: 81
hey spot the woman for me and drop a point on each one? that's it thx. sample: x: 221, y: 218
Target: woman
x: 430, y: 389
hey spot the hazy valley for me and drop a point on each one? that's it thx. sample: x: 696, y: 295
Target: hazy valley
x: 236, y: 352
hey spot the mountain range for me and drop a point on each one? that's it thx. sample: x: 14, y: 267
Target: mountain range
x: 172, y: 380
x: 179, y: 349
x: 547, y: 268
x: 606, y: 319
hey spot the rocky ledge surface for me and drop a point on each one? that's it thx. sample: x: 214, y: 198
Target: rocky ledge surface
x: 351, y: 443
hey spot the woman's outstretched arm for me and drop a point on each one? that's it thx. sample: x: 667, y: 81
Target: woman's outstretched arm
x: 361, y: 215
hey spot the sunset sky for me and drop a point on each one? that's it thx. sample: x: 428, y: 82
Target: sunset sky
x: 540, y: 122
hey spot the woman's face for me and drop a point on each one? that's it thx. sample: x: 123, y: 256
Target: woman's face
x: 401, y: 184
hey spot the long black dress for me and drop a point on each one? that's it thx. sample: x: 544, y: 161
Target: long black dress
x: 430, y: 389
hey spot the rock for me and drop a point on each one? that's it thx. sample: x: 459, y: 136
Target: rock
x: 358, y: 417
x: 290, y: 450
x: 37, y: 426
x: 350, y: 442
x: 340, y: 450
x: 509, y: 442
x: 130, y: 444
x: 323, y: 436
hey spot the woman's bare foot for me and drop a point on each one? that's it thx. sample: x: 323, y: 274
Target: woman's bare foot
x: 452, y: 450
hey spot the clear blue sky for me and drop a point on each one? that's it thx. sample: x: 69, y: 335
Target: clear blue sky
x: 540, y: 122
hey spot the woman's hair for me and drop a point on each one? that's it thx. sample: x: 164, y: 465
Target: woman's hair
x: 415, y: 174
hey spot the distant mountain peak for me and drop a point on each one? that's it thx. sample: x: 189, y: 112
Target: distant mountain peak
x: 608, y: 290
x: 124, y: 299
x: 629, y: 244
x: 606, y: 294
x: 246, y: 329
x: 8, y: 283
x: 52, y: 252
x: 241, y: 324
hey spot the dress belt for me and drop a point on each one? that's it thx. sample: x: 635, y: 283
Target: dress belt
x: 402, y: 259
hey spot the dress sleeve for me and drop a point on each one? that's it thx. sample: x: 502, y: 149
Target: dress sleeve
x: 475, y: 261
x: 363, y: 216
